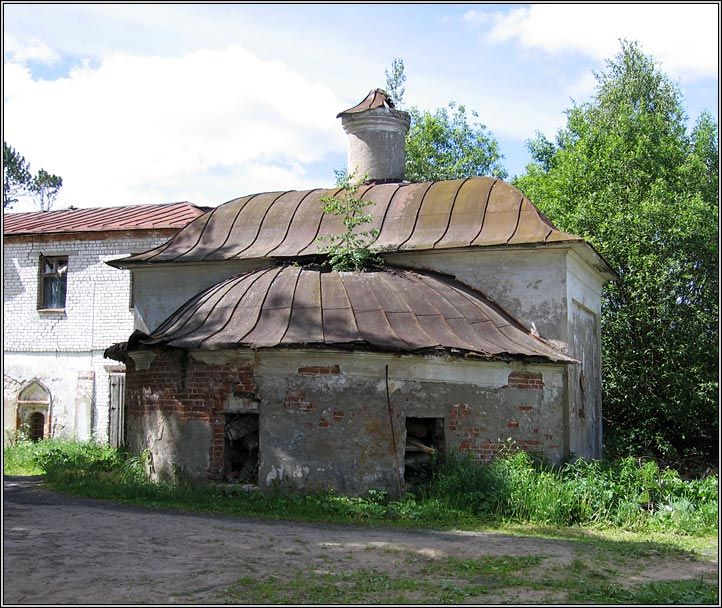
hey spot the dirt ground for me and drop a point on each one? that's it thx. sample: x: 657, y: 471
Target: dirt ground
x: 59, y: 549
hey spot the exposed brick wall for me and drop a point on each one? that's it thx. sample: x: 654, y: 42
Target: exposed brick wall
x: 483, y: 429
x: 525, y: 380
x: 192, y: 390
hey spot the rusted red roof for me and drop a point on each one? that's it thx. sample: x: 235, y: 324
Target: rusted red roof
x: 393, y: 309
x: 134, y: 217
x: 478, y: 211
x: 375, y: 99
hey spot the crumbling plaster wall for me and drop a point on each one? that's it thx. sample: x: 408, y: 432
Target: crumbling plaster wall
x: 552, y: 291
x: 325, y: 421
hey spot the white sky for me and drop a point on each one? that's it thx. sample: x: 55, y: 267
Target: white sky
x: 148, y: 103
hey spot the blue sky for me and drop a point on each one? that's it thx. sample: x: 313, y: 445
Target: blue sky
x: 147, y: 103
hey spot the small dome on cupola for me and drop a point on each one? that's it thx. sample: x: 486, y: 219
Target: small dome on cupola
x: 376, y: 138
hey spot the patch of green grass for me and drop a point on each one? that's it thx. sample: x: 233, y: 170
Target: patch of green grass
x: 19, y: 459
x: 683, y: 592
x: 453, y: 581
x: 62, y: 456
x: 362, y: 586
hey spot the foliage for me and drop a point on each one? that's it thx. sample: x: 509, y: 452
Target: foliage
x: 625, y: 175
x: 16, y: 176
x: 350, y: 250
x: 628, y: 494
x: 18, y: 181
x: 449, y: 144
x: 462, y: 492
x: 395, y: 80
x: 45, y: 188
x: 57, y: 457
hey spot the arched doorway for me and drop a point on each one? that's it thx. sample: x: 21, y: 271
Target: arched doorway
x: 33, y: 411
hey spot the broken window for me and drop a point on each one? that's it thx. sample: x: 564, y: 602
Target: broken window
x: 53, y: 282
x: 424, y: 441
x: 241, y: 448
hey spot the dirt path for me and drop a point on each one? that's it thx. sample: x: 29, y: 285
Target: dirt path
x: 59, y: 549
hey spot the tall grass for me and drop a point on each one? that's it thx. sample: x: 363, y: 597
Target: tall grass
x: 628, y: 494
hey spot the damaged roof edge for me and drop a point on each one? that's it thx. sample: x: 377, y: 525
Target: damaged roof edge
x: 120, y: 352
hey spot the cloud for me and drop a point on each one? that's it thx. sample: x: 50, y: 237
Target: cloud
x: 205, y: 126
x: 477, y: 17
x: 31, y: 50
x: 682, y: 36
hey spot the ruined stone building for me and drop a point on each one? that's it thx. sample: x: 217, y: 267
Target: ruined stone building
x: 251, y: 361
x: 62, y: 305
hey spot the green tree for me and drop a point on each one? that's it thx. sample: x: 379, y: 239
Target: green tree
x: 626, y: 175
x: 448, y: 144
x: 16, y: 176
x: 18, y: 181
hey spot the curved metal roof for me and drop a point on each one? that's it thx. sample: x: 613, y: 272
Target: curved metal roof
x: 393, y: 309
x: 478, y: 211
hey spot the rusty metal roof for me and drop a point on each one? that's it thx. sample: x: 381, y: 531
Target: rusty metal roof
x: 377, y: 98
x: 391, y: 310
x: 133, y: 217
x: 477, y: 212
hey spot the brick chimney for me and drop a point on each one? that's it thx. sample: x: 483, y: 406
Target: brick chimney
x: 376, y: 138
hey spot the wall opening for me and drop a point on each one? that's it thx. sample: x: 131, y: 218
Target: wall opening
x: 36, y: 424
x: 241, y: 448
x: 424, y: 444
x: 33, y: 411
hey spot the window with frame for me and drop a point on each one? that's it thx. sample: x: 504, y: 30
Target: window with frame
x: 53, y: 282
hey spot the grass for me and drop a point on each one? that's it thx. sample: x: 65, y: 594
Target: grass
x: 456, y: 581
x: 461, y: 493
x: 612, y: 517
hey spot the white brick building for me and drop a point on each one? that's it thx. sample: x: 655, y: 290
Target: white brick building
x: 63, y: 306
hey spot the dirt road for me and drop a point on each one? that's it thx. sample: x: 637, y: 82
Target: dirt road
x: 59, y: 549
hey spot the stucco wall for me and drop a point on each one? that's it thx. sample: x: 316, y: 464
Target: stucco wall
x: 529, y: 283
x: 585, y: 387
x: 161, y: 290
x: 54, y: 347
x: 325, y: 421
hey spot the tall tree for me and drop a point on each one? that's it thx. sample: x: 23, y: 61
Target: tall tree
x: 395, y: 80
x: 18, y: 181
x: 16, y: 176
x: 449, y: 144
x: 625, y: 174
